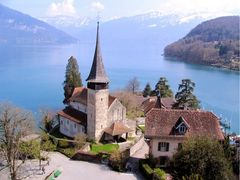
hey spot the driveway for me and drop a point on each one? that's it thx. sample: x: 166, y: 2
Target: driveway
x: 77, y: 170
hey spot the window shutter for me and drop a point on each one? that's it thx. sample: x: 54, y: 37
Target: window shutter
x: 167, y: 148
x: 159, y: 146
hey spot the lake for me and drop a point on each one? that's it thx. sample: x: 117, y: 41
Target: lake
x: 31, y: 77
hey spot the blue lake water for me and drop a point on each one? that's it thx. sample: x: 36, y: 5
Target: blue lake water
x: 31, y: 77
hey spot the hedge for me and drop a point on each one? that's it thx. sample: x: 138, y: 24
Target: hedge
x: 149, y: 173
x: 147, y: 170
x: 159, y: 174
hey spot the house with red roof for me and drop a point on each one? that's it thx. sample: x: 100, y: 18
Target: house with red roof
x: 166, y: 129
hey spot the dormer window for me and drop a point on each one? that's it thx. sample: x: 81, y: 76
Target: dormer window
x: 181, y: 126
x: 182, y: 129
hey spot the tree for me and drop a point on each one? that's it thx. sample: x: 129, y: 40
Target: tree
x: 46, y: 143
x: 185, y: 97
x: 116, y: 160
x: 47, y: 117
x: 15, y: 124
x: 80, y: 140
x: 201, y: 156
x: 133, y: 85
x: 147, y: 90
x: 163, y: 87
x: 72, y: 78
x: 131, y: 102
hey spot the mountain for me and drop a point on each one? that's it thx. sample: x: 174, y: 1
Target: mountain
x: 214, y: 42
x: 19, y: 28
x: 150, y: 28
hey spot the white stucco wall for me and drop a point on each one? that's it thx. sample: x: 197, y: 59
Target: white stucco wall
x: 70, y: 128
x: 173, y: 145
x: 78, y: 106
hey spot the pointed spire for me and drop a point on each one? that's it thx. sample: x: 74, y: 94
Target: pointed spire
x: 97, y: 73
x: 158, y: 103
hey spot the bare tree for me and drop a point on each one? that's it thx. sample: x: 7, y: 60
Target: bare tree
x: 133, y: 85
x: 15, y: 124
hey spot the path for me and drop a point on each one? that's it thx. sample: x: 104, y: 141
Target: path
x: 134, y: 160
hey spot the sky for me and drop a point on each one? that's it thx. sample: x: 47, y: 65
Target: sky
x: 109, y: 9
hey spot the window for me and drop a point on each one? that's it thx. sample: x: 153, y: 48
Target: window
x: 182, y: 129
x: 179, y: 145
x: 67, y: 122
x: 75, y: 126
x: 61, y: 122
x: 163, y: 146
x: 163, y: 160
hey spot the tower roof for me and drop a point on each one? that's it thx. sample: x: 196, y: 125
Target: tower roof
x: 97, y: 73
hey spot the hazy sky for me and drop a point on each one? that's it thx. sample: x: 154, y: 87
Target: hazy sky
x: 117, y: 8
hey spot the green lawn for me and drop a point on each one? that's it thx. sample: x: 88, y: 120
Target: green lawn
x: 96, y: 148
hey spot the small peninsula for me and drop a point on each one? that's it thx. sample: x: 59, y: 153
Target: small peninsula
x: 214, y: 42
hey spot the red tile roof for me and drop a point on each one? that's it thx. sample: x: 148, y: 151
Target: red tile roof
x: 117, y: 128
x: 80, y: 95
x: 74, y: 115
x: 148, y: 104
x: 161, y: 123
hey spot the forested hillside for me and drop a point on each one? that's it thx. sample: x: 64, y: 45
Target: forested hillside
x: 214, y: 42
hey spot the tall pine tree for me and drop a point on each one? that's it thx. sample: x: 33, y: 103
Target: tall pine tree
x: 163, y: 87
x: 72, y: 78
x: 185, y: 97
x: 147, y: 90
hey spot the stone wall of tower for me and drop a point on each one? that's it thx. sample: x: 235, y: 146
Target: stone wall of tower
x: 97, y: 113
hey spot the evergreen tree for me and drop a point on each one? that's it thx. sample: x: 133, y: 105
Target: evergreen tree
x: 147, y: 90
x: 185, y: 96
x: 201, y: 156
x: 72, y: 78
x: 163, y: 87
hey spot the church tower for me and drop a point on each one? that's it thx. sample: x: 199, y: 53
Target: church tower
x: 98, y: 95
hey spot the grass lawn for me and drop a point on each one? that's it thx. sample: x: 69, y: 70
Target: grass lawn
x: 96, y: 148
x: 142, y: 127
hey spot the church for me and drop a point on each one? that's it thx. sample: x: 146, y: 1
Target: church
x: 92, y: 110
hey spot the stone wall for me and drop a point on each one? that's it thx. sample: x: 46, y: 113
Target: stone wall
x: 97, y: 112
x: 86, y: 156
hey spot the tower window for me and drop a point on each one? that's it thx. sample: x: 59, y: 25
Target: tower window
x: 101, y: 99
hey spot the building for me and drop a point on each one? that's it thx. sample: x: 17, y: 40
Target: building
x: 165, y: 130
x: 157, y: 101
x: 92, y: 110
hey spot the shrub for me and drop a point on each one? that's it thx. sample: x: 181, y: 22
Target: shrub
x: 69, y: 152
x: 147, y: 171
x: 46, y: 143
x: 115, y: 161
x: 159, y: 174
x: 80, y: 140
x: 63, y: 144
x: 192, y: 177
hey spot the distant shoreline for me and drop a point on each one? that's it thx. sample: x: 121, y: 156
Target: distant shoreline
x: 217, y: 65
